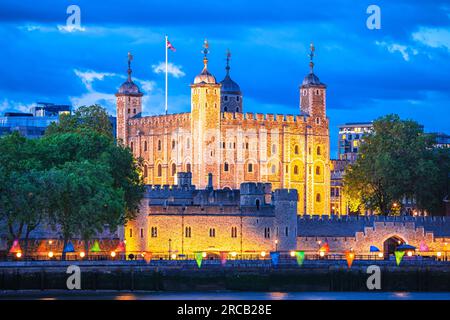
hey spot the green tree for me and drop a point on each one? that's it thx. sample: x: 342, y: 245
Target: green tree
x: 94, y: 118
x: 396, y: 160
x: 21, y: 192
x: 83, y: 200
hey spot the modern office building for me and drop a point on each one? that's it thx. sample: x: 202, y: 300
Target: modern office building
x: 32, y: 125
x: 350, y: 138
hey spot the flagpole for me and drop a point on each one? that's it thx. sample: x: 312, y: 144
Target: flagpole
x: 167, y: 82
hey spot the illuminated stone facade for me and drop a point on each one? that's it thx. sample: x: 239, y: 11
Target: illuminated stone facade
x: 359, y: 233
x: 182, y: 220
x: 288, y: 151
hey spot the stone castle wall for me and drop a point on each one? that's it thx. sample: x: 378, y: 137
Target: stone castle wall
x: 359, y: 233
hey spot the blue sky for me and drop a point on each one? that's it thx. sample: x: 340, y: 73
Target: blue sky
x: 402, y: 68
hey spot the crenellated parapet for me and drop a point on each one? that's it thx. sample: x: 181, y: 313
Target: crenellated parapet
x: 162, y: 120
x: 257, y: 118
x: 285, y: 195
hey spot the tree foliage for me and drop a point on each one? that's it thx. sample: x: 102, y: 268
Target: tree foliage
x: 75, y: 177
x: 396, y: 161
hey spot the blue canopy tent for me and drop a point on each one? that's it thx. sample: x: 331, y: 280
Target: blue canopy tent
x: 405, y: 247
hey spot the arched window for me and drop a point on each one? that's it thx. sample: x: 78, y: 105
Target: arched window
x: 145, y: 171
x: 145, y: 145
x: 250, y: 167
x: 225, y: 167
x: 318, y: 197
x: 225, y: 109
x: 317, y: 170
x: 212, y: 232
x: 188, y: 167
x: 159, y: 170
x: 154, y: 232
x: 237, y: 109
x: 173, y: 144
x: 238, y: 98
x: 174, y: 169
x: 318, y: 151
x: 296, y: 149
x: 159, y: 145
x: 295, y: 169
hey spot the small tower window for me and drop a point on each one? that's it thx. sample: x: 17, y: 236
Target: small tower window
x: 318, y: 197
x: 188, y: 232
x: 258, y: 204
x: 317, y: 170
x: 212, y: 232
x: 250, y: 167
x: 317, y: 120
x: 274, y: 169
x: 134, y: 111
x: 238, y: 98
x: 174, y: 169
x: 234, y: 232
x: 274, y: 148
x: 188, y: 167
x: 154, y: 232
x: 188, y: 143
x: 296, y: 149
x: 267, y: 233
x: 131, y: 146
x: 145, y: 145
x: 296, y: 169
x: 225, y: 167
x: 159, y: 145
x: 225, y: 98
x: 318, y: 151
x: 159, y: 170
x: 225, y: 109
x: 145, y: 171
x: 237, y: 109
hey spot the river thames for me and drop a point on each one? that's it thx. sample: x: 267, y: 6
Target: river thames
x: 99, y: 295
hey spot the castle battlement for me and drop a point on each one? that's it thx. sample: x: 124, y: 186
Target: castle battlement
x: 285, y: 195
x: 251, y: 188
x: 161, y: 119
x: 375, y: 218
x: 263, y: 117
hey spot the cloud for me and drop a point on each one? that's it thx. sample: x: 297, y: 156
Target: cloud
x: 71, y: 28
x: 9, y: 105
x: 433, y: 37
x: 172, y: 69
x: 93, y: 97
x: 87, y: 77
x: 404, y: 50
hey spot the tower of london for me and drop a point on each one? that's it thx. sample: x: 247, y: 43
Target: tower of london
x: 289, y: 151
